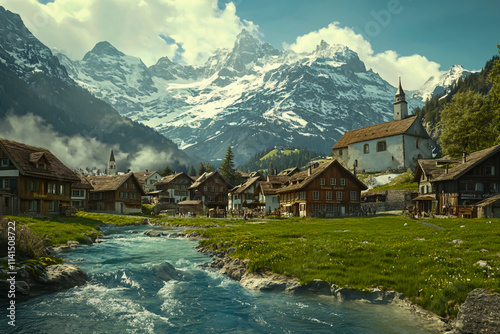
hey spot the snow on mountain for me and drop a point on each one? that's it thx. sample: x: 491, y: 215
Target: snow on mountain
x: 249, y: 97
x: 443, y: 83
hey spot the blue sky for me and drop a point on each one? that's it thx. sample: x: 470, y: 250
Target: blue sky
x: 445, y: 31
x: 408, y: 38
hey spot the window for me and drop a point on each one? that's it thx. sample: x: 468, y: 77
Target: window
x: 4, y: 162
x: 480, y: 186
x: 62, y: 190
x: 381, y: 146
x: 316, y: 195
x: 249, y: 196
x: 33, y: 206
x: 333, y: 182
x: 322, y: 181
x: 78, y: 193
x: 205, y: 188
x: 340, y: 152
x: 53, y: 206
x: 342, y: 182
x: 121, y: 194
x: 366, y: 149
x: 302, y: 195
x: 422, y: 190
x: 216, y: 180
x: 329, y: 195
x: 339, y: 195
x: 31, y: 186
x: 354, y: 196
x: 126, y: 195
x: 494, y: 187
x: 417, y: 144
x: 489, y: 170
x: 126, y: 185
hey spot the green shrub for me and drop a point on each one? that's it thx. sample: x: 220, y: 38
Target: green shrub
x: 147, y: 208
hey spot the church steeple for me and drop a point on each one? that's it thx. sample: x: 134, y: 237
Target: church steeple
x: 400, y: 105
x: 112, y: 164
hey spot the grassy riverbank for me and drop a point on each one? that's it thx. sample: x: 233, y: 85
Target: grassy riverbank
x: 433, y: 262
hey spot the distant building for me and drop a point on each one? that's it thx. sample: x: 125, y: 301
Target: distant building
x: 241, y: 197
x: 148, y: 180
x: 32, y: 180
x: 267, y: 195
x: 115, y: 194
x: 112, y: 164
x: 212, y: 190
x: 394, y: 145
x: 174, y: 188
x: 80, y: 193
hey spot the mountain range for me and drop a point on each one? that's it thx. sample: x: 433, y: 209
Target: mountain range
x: 250, y: 97
x: 36, y: 90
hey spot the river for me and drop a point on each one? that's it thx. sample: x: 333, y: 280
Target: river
x: 140, y: 284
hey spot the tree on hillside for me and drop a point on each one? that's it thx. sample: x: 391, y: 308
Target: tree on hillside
x: 201, y: 169
x: 227, y: 168
x: 494, y: 96
x: 466, y: 124
x: 167, y: 171
x: 191, y: 171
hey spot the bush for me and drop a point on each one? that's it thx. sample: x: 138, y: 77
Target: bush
x: 147, y: 208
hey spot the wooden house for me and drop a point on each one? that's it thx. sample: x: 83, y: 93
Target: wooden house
x: 455, y: 186
x: 80, y: 193
x: 212, y: 190
x: 266, y: 194
x: 241, y: 197
x: 32, y: 180
x: 174, y: 188
x: 115, y: 194
x: 393, y: 145
x: 323, y: 190
x: 148, y: 180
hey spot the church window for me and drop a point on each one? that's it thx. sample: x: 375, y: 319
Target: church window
x: 418, y: 143
x: 381, y: 146
x: 366, y: 149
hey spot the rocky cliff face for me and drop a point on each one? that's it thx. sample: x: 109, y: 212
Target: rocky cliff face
x: 249, y: 97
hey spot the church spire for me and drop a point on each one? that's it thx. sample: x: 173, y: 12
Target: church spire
x: 400, y: 105
x: 112, y: 164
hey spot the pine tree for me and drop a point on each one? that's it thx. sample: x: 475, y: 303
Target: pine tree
x: 191, y: 171
x: 167, y: 171
x: 201, y: 170
x: 227, y: 168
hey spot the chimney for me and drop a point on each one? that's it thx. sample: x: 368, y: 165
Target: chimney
x: 447, y: 165
x: 464, y: 157
x: 147, y: 171
x: 309, y: 170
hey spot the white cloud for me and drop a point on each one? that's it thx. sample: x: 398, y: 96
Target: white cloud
x: 134, y: 27
x: 414, y: 70
x: 78, y: 151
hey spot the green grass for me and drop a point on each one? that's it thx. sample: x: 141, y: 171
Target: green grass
x: 419, y: 261
x: 274, y: 152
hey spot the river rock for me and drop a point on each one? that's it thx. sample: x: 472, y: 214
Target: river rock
x: 153, y: 233
x: 480, y: 313
x: 167, y: 272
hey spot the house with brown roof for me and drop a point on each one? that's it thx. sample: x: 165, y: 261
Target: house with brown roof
x: 80, y: 193
x: 174, y: 188
x: 456, y: 186
x: 394, y: 145
x: 241, y: 197
x: 115, y: 194
x: 266, y: 193
x: 323, y: 190
x: 211, y: 189
x: 32, y: 180
x: 148, y: 180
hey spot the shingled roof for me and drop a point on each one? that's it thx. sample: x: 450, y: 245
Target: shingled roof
x: 381, y: 130
x: 248, y: 183
x: 26, y: 157
x: 143, y: 176
x: 471, y: 161
x: 302, y: 179
x: 82, y: 184
x: 169, y: 178
x: 110, y: 182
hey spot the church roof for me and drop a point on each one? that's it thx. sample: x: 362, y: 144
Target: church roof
x: 376, y: 131
x: 112, y: 156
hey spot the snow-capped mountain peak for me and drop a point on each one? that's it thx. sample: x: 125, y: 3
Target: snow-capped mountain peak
x: 443, y: 83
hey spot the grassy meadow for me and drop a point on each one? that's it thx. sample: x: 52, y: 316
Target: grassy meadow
x: 433, y: 262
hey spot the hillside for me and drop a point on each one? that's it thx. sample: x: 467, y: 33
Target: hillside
x: 278, y: 159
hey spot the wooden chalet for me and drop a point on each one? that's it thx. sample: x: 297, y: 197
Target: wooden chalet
x: 80, y: 193
x: 174, y: 188
x: 241, y: 197
x: 32, y: 180
x: 456, y: 186
x: 323, y: 190
x: 115, y: 194
x: 267, y: 193
x: 147, y: 180
x: 212, y: 190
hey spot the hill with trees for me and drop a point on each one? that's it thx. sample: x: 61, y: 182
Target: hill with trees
x: 279, y: 158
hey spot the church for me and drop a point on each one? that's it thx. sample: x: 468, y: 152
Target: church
x: 394, y: 145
